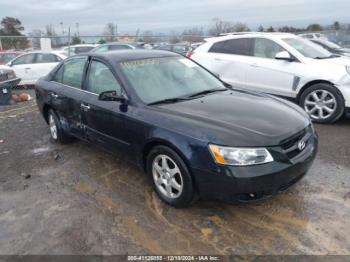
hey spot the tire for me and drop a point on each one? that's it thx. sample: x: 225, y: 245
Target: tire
x: 58, y: 135
x: 175, y: 175
x: 323, y: 102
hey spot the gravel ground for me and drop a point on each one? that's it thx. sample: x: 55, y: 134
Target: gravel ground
x: 78, y: 199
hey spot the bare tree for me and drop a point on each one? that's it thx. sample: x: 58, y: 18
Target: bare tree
x: 148, y: 37
x: 220, y: 27
x: 193, y: 35
x: 110, y: 32
x: 50, y: 31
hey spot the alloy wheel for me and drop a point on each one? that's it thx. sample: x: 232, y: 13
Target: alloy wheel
x: 320, y: 104
x: 167, y: 176
x: 53, y: 127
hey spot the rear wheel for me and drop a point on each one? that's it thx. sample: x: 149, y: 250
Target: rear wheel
x: 170, y: 177
x: 58, y: 135
x: 323, y: 102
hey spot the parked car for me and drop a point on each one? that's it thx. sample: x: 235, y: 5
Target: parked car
x: 78, y: 49
x: 31, y: 66
x: 285, y: 65
x: 190, y: 132
x: 314, y: 36
x: 7, y: 56
x: 116, y: 46
x: 181, y: 49
x: 332, y: 47
x: 8, y: 80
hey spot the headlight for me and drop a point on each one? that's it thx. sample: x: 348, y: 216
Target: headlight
x: 348, y: 69
x: 240, y: 156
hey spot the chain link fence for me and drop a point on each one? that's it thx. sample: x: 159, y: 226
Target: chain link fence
x: 30, y: 42
x: 36, y: 42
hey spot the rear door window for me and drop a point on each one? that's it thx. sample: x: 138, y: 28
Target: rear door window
x: 73, y: 72
x: 25, y: 59
x: 240, y: 46
x: 266, y: 48
x: 47, y: 58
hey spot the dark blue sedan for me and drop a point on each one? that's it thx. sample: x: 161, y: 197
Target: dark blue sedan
x: 194, y: 135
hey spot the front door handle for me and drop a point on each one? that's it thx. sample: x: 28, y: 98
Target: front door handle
x: 254, y: 65
x: 85, y: 107
x: 54, y: 95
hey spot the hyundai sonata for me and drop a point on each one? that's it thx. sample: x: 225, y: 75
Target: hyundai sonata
x: 193, y: 134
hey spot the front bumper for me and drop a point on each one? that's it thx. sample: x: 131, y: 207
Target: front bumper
x: 252, y: 183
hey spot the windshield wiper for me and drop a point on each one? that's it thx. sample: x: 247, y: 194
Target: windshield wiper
x: 169, y: 101
x: 207, y: 92
x: 327, y: 57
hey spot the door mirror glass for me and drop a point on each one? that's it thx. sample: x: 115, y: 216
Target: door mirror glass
x: 284, y: 55
x: 112, y: 96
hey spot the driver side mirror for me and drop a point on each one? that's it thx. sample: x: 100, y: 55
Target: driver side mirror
x: 112, y: 96
x: 284, y: 55
x: 9, y: 64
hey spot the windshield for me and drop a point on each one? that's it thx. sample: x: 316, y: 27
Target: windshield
x: 164, y: 78
x: 307, y: 48
x: 331, y: 44
x: 7, y: 57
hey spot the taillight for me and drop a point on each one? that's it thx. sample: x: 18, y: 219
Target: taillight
x: 189, y: 53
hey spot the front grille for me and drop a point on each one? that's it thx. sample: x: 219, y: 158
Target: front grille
x: 290, y: 145
x: 3, y: 77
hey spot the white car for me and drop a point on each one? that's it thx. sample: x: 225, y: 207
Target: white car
x: 78, y: 49
x: 31, y: 66
x: 314, y: 36
x: 285, y: 65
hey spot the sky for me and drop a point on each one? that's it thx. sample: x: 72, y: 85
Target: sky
x: 170, y: 15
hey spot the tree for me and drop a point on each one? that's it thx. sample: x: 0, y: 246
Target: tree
x: 261, y: 28
x: 336, y: 26
x: 76, y: 40
x: 50, y: 31
x: 314, y: 28
x: 239, y: 27
x: 270, y: 29
x: 101, y: 41
x: 193, y: 35
x: 147, y: 37
x: 110, y: 31
x: 219, y: 27
x: 11, y: 26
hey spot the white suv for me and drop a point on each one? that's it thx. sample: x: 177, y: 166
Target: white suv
x: 285, y: 65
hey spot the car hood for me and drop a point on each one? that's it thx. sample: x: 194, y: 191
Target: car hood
x: 343, y: 61
x: 234, y: 118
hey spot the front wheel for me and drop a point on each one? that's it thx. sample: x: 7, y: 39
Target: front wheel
x: 323, y: 102
x: 170, y: 177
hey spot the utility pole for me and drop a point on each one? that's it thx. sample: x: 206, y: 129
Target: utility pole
x: 69, y: 41
x: 77, y: 25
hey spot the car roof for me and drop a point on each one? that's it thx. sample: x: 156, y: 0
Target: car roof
x: 129, y: 55
x: 229, y: 36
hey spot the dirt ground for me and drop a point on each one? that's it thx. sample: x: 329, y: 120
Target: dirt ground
x: 82, y: 200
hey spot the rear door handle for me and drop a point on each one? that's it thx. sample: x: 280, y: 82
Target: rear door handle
x: 217, y: 59
x: 254, y: 65
x: 85, y: 107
